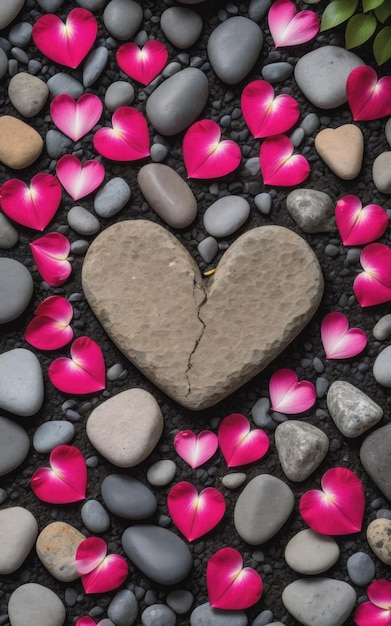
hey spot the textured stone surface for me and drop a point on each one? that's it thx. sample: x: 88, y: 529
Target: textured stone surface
x: 20, y: 144
x: 32, y: 604
x: 14, y: 445
x: 301, y: 448
x: 56, y: 548
x: 312, y: 210
x: 342, y: 149
x: 319, y: 601
x: 379, y: 539
x: 18, y: 532
x: 180, y: 342
x: 310, y: 553
x: 27, y: 93
x: 375, y: 455
x: 351, y: 409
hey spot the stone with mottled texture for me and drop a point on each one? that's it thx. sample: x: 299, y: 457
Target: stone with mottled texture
x: 351, y: 409
x: 56, y: 548
x: 376, y: 458
x: 33, y: 604
x: 18, y: 532
x: 310, y: 553
x: 180, y: 342
x: 312, y: 210
x: 20, y: 144
x: 301, y: 448
x: 319, y: 601
x: 379, y: 539
x: 27, y: 93
x: 342, y: 149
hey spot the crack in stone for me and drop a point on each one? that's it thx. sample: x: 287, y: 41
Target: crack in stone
x: 199, y: 307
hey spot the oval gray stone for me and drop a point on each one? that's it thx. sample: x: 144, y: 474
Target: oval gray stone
x: 180, y: 600
x: 118, y: 94
x: 158, y: 553
x: 9, y: 10
x: 123, y: 608
x: 158, y: 614
x: 27, y: 93
x: 352, y: 410
x: 205, y: 615
x: 65, y: 83
x: 388, y: 131
x: 20, y: 34
x: 226, y: 216
x: 262, y: 508
x: 382, y: 367
x: 233, y: 48
x: 181, y: 26
x: 92, y: 5
x: 82, y: 221
x: 310, y: 553
x: 301, y: 448
x: 35, y: 604
x: 51, y: 434
x: 21, y: 382
x: 122, y: 18
x: 112, y: 197
x: 14, y: 445
x: 18, y: 532
x: 234, y: 481
x: 361, y: 569
x: 277, y: 72
x: 94, y: 65
x: 381, y: 172
x: 127, y: 497
x: 208, y: 248
x: 178, y: 101
x: 161, y: 473
x: 56, y: 143
x: 376, y: 459
x: 319, y: 601
x: 168, y: 194
x: 16, y: 288
x: 95, y: 517
x: 382, y: 328
x: 312, y: 210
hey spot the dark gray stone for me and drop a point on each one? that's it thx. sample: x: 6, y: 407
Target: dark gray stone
x: 361, y: 569
x: 119, y: 94
x: 123, y: 608
x: 65, y: 83
x: 181, y: 26
x: 158, y: 615
x: 122, y: 18
x: 127, y: 497
x: 94, y: 65
x: 51, y: 434
x: 312, y: 210
x: 277, y: 72
x: 16, y: 289
x: 205, y: 615
x: 14, y: 445
x: 112, y: 197
x: 95, y: 517
x: 375, y: 455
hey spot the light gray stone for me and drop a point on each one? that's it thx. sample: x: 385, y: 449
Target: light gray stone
x: 50, y: 6
x: 65, y: 83
x: 376, y: 459
x: 208, y: 248
x: 16, y: 288
x: 112, y: 197
x: 122, y: 18
x: 20, y: 34
x: 234, y: 481
x: 158, y: 614
x: 319, y: 601
x: 258, y: 9
x: 277, y: 72
x: 14, y: 445
x: 21, y: 382
x: 18, y: 532
x: 301, y: 448
x: 82, y: 221
x: 180, y: 600
x: 56, y: 143
x: 226, y: 216
x: 181, y: 26
x: 361, y: 569
x: 95, y: 517
x: 263, y: 202
x: 205, y: 615
x: 310, y: 553
x: 382, y: 367
x: 123, y: 608
x: 158, y: 152
x: 118, y: 94
x: 381, y: 172
x: 310, y: 123
x: 161, y: 473
x: 388, y: 131
x: 312, y: 210
x: 51, y: 434
x: 9, y: 10
x: 94, y: 65
x: 3, y: 63
x: 92, y: 5
x: 352, y: 410
x: 127, y: 497
x: 382, y: 328
x: 32, y: 605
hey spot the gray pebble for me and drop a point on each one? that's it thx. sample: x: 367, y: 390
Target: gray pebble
x: 21, y: 382
x: 94, y: 65
x: 180, y: 601
x: 16, y: 288
x: 171, y: 69
x: 92, y: 5
x: 161, y: 473
x: 361, y: 569
x: 205, y: 615
x: 261, y: 414
x: 234, y: 480
x: 56, y: 143
x: 127, y: 497
x: 388, y: 131
x: 70, y: 596
x: 95, y: 517
x: 122, y: 18
x: 297, y: 136
x: 301, y: 448
x: 8, y: 234
x: 310, y: 123
x: 263, y: 202
x: 28, y: 94
x: 82, y: 221
x: 312, y: 210
x: 114, y: 372
x: 252, y: 166
x: 34, y: 67
x: 3, y: 63
x: 9, y: 10
x: 381, y: 172
x: 158, y: 152
x: 226, y: 216
x: 382, y: 328
x: 33, y: 599
x: 311, y: 553
x: 20, y: 34
x: 258, y: 9
x: 18, y: 532
x: 382, y: 367
x: 376, y: 459
x: 20, y: 55
x: 277, y: 72
x: 321, y: 385
x: 50, y: 6
x: 158, y: 615
x: 13, y: 67
x: 14, y: 445
x: 352, y: 411
x: 263, y: 619
x: 65, y: 83
x: 208, y: 248
x: 112, y: 197
x: 123, y: 608
x: 118, y: 94
x: 51, y: 434
x: 80, y: 246
x: 181, y: 26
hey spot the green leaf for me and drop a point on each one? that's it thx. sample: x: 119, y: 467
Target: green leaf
x: 337, y: 12
x: 382, y: 45
x: 369, y: 5
x: 383, y: 11
x: 360, y: 28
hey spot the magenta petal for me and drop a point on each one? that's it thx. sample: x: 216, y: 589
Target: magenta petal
x: 77, y: 179
x: 109, y: 575
x: 230, y: 586
x: 128, y: 140
x: 367, y: 614
x: 90, y: 553
x: 368, y: 97
x: 205, y: 155
x: 76, y: 118
x: 239, y: 444
x: 358, y: 225
x: 379, y: 593
x: 86, y: 621
x: 32, y: 206
x: 50, y: 329
x: 195, y: 449
x: 265, y: 114
x: 279, y: 166
x: 50, y: 254
x: 288, y: 395
x: 142, y: 64
x: 373, y: 285
x: 83, y: 373
x: 289, y: 28
x: 193, y: 513
x: 338, y: 340
x: 65, y: 481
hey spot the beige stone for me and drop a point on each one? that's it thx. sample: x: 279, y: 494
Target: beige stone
x: 126, y: 428
x: 20, y: 145
x: 379, y: 539
x: 200, y: 341
x: 56, y: 548
x: 342, y: 149
x: 27, y: 93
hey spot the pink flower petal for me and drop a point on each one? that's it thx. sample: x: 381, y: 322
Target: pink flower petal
x: 230, y: 586
x: 66, y: 479
x: 142, y: 64
x: 86, y: 621
x: 338, y: 340
x: 373, y: 285
x: 77, y: 179
x: 50, y: 329
x: 128, y: 140
x: 239, y: 444
x: 50, y: 254
x: 195, y: 449
x: 339, y: 508
x: 368, y: 97
x: 279, y: 166
x: 367, y: 614
x: 32, y: 206
x: 90, y: 553
x: 289, y: 28
x: 109, y: 575
x: 193, y: 513
x: 205, y: 155
x: 76, y: 118
x: 288, y: 395
x: 358, y: 225
x: 379, y: 593
x: 266, y: 114
x: 83, y: 373
x: 66, y: 44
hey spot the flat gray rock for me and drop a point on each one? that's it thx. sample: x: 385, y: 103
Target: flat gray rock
x: 9, y: 10
x: 18, y: 532
x: 181, y: 26
x: 35, y: 604
x: 127, y: 497
x: 21, y: 382
x: 51, y: 434
x: 382, y: 367
x: 352, y: 410
x: 112, y: 197
x: 16, y: 288
x: 122, y: 18
x: 319, y: 601
x: 233, y: 48
x: 158, y: 553
x: 28, y: 94
x: 178, y: 101
x: 322, y: 74
x: 376, y: 458
x: 301, y: 448
x: 226, y: 216
x: 205, y: 615
x: 310, y: 553
x: 381, y: 172
x: 14, y: 445
x: 312, y: 210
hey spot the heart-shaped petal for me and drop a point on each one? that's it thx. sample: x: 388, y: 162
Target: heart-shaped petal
x: 66, y: 479
x: 195, y: 449
x: 99, y: 573
x: 50, y: 254
x: 128, y: 140
x: 195, y: 514
x: 358, y: 225
x: 85, y: 621
x: 279, y: 166
x: 289, y: 396
x: 66, y: 44
x: 368, y: 97
x: 230, y: 585
x: 84, y: 372
x: 239, y: 444
x: 373, y: 285
x: 50, y: 329
x: 205, y: 155
x: 32, y: 206
x: 142, y: 64
x: 340, y: 341
x: 75, y: 118
x: 368, y: 614
x: 289, y: 27
x: 266, y: 114
x: 77, y: 179
x: 379, y: 593
x: 339, y: 508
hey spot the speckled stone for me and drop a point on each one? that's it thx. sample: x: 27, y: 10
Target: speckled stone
x: 310, y: 553
x: 319, y: 601
x: 376, y: 458
x: 379, y: 539
x: 32, y: 604
x: 312, y: 210
x: 301, y: 448
x: 352, y: 410
x: 56, y: 549
x: 18, y: 532
x: 20, y: 144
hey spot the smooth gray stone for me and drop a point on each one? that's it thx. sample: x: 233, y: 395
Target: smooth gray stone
x: 18, y: 532
x: 353, y: 412
x: 233, y: 48
x: 310, y: 123
x: 114, y: 372
x: 262, y: 508
x: 20, y: 34
x: 16, y: 288
x: 376, y: 458
x: 122, y: 18
x: 95, y: 517
x: 226, y: 216
x: 208, y: 248
x: 180, y: 601
x: 21, y: 382
x: 82, y: 221
x: 388, y: 131
x: 252, y: 166
x: 234, y: 481
x: 263, y: 202
x: 14, y: 445
x: 9, y: 10
x: 322, y: 74
x: 381, y: 172
x: 319, y: 601
x: 161, y: 473
x: 181, y: 26
x: 3, y: 63
x: 50, y: 6
x: 35, y: 604
x: 310, y: 553
x: 158, y: 614
x: 92, y: 5
x: 277, y: 72
x: 178, y: 101
x: 258, y: 9
x: 118, y: 94
x: 312, y: 210
x: 382, y: 328
x: 301, y: 448
x: 261, y: 414
x: 123, y: 608
x: 112, y: 197
x: 382, y: 367
x: 49, y: 435
x: 56, y: 143
x: 65, y: 83
x: 20, y: 55
x: 94, y: 65
x: 297, y: 136
x: 80, y: 246
x: 158, y: 152
x: 127, y: 497
x: 8, y: 234
x: 34, y: 67
x: 158, y: 553
x: 263, y: 619
x: 204, y: 615
x: 361, y: 569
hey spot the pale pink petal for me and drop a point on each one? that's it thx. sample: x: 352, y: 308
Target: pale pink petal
x: 367, y: 614
x: 195, y: 449
x: 358, y: 225
x: 77, y: 179
x: 368, y: 97
x: 83, y: 373
x: 338, y: 340
x: 90, y: 553
x: 265, y: 114
x: 128, y: 140
x: 205, y: 155
x: 65, y: 481
x: 289, y: 28
x: 379, y: 593
x: 76, y: 119
x: 142, y: 64
x: 230, y: 586
x: 288, y: 395
x: 195, y: 514
x: 33, y: 206
x: 109, y: 575
x: 279, y: 166
x: 238, y: 443
x: 50, y: 254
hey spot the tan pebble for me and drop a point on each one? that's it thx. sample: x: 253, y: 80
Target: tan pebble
x: 379, y: 539
x: 20, y: 145
x: 56, y: 548
x: 342, y: 149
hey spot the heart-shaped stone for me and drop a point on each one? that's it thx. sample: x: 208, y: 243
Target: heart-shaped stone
x: 342, y: 149
x: 199, y: 341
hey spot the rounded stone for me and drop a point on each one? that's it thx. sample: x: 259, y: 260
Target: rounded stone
x: 226, y: 216
x: 319, y: 601
x: 180, y: 600
x: 65, y: 83
x: 9, y: 10
x: 122, y: 18
x: 56, y: 143
x: 205, y: 615
x: 342, y: 149
x: 178, y: 101
x: 376, y: 459
x: 379, y: 539
x: 123, y: 608
x: 28, y: 94
x: 14, y: 445
x: 388, y: 131
x: 113, y: 196
x: 8, y: 234
x: 51, y: 434
x: 312, y: 210
x: 277, y: 72
x: 301, y: 448
x: 35, y: 604
x: 310, y: 553
x: 158, y: 614
x: 181, y: 26
x: 352, y: 411
x: 20, y: 34
x: 126, y: 428
x: 92, y: 5
x: 21, y: 382
x: 95, y: 517
x: 18, y: 532
x: 56, y: 549
x: 381, y: 172
x: 208, y: 248
x: 127, y: 497
x: 168, y: 194
x: 82, y: 221
x: 16, y: 288
x: 382, y: 367
x: 3, y: 63
x: 234, y: 481
x: 118, y: 94
x: 161, y: 473
x: 94, y: 65
x: 20, y: 144
x: 382, y: 328
x: 361, y: 569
